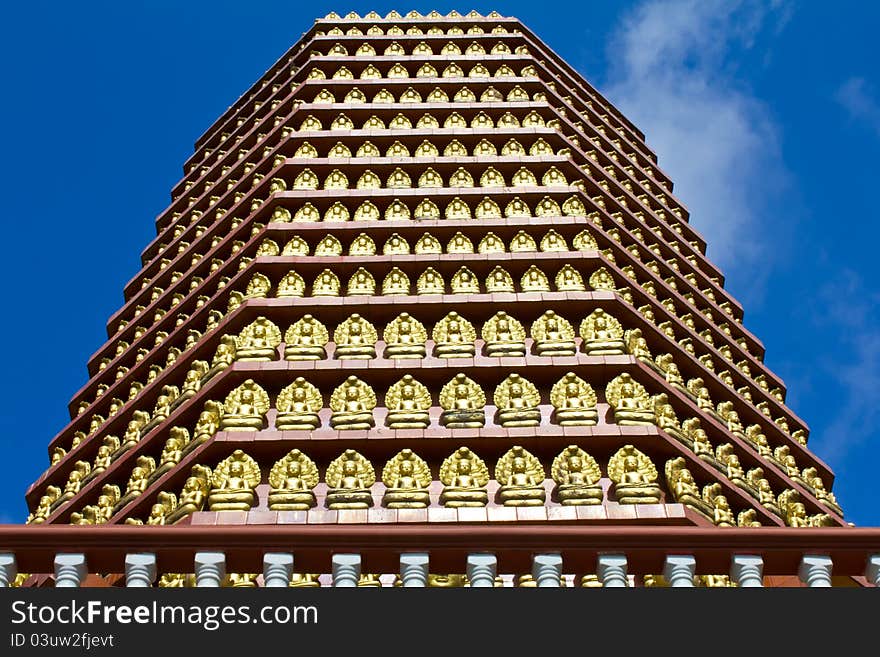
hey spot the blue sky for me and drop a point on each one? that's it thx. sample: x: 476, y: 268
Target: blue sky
x: 765, y: 114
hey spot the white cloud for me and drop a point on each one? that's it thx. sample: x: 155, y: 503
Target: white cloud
x: 857, y: 97
x: 671, y: 73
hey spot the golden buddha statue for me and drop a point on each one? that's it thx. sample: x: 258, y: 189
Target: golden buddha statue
x: 233, y: 483
x: 396, y: 283
x: 454, y: 337
x: 430, y: 282
x: 577, y: 476
x: 298, y: 406
x: 326, y: 285
x: 306, y: 339
x: 722, y: 513
x: 522, y: 242
x: 568, y: 279
x: 404, y: 337
x: 408, y: 402
x: 698, y: 391
x: 258, y: 341
x: 362, y: 245
x: 464, y: 476
x: 491, y: 243
x: 349, y: 478
x: 665, y: 417
x: 553, y: 241
x: 584, y: 241
x: 459, y: 243
x: 630, y: 401
x: 601, y: 280
x: 352, y: 404
x: 553, y: 335
x: 406, y: 478
x: 534, y: 280
x: 207, y: 425
x: 517, y: 402
x: 165, y: 505
x: 48, y: 500
x: 521, y: 478
x: 224, y: 356
x: 56, y: 455
x: 292, y: 480
x: 134, y: 430
x: 499, y: 281
x: 574, y: 402
x: 291, y: 285
x: 361, y: 283
x: 395, y: 245
x: 140, y: 477
x: 245, y: 408
x: 428, y: 244
x: 172, y: 452
x: 193, y: 496
x: 504, y: 336
x: 463, y: 403
x: 634, y: 477
x: 304, y: 580
x: 355, y: 338
x: 192, y: 382
x: 102, y: 460
x: 684, y: 489
x: 602, y: 334
x: 464, y: 281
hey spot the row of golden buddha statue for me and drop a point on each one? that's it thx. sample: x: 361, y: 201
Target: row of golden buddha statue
x: 429, y: 178
x: 364, y: 245
x: 393, y: 15
x: 401, y: 121
x: 456, y: 209
x: 428, y: 149
x: 462, y: 94
x: 454, y: 336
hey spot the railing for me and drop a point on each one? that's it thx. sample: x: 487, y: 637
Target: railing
x: 679, y: 553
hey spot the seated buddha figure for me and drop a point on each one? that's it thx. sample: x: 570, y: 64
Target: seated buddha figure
x: 630, y: 401
x: 306, y: 339
x: 102, y: 461
x: 355, y: 338
x: 534, y: 280
x: 499, y: 281
x: 634, y: 477
x: 349, y: 479
x: 362, y: 245
x: 193, y: 496
x: 574, y: 402
x: 44, y: 507
x: 192, y: 382
x: 292, y: 480
x: 79, y: 473
x: 140, y: 477
x: 665, y: 417
x: 463, y: 403
x: 233, y: 483
x: 684, y: 489
x: 298, y: 405
x: 352, y: 405
x: 395, y: 245
x: 245, y: 408
x: 396, y: 283
x: 172, y: 452
x: 811, y: 478
x: 569, y: 279
x: 722, y: 513
x: 491, y: 243
x: 577, y: 476
x: 553, y: 335
x: 258, y: 341
x: 404, y: 337
x: 454, y: 337
x: 601, y: 279
x: 637, y: 346
x: 165, y: 505
x: 134, y: 430
x: 207, y: 425
x: 406, y: 477
x: 464, y: 476
x: 162, y: 408
x: 326, y: 285
x: 408, y: 402
x: 464, y: 281
x: 430, y: 282
x: 459, y: 243
x: 517, y: 402
x: 224, y: 355
x: 361, y: 282
x: 504, y: 336
x: 602, y: 334
x: 521, y: 478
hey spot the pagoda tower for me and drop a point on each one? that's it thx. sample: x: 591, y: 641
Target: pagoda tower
x: 422, y: 277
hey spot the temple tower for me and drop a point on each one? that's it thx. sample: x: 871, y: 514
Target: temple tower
x: 422, y: 274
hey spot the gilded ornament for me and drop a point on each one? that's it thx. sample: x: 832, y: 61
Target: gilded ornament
x: 634, y: 477
x: 396, y: 283
x: 631, y: 403
x: 504, y: 336
x: 352, y: 405
x: 233, y: 483
x: 577, y: 476
x: 258, y: 341
x: 454, y: 337
x: 464, y: 476
x: 568, y: 279
x: 361, y: 283
x: 355, y: 338
x: 534, y: 280
x: 553, y: 335
x: 292, y: 480
x: 245, y: 408
x: 574, y: 401
x: 298, y: 406
x: 349, y: 478
x: 499, y: 281
x: 404, y: 337
x: 306, y: 339
x: 463, y: 403
x: 602, y: 334
x: 517, y: 402
x: 406, y: 477
x: 362, y: 245
x: 521, y: 478
x: 465, y: 282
